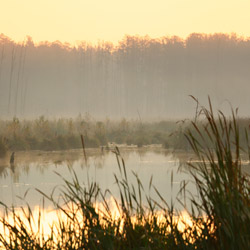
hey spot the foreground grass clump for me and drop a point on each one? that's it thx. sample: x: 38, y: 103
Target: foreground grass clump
x: 219, y: 218
x: 224, y: 191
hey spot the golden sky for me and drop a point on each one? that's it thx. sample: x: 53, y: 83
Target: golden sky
x: 109, y: 20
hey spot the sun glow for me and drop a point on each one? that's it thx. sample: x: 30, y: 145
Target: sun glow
x: 42, y: 223
x: 80, y: 20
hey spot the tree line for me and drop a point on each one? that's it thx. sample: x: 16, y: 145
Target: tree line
x: 139, y: 77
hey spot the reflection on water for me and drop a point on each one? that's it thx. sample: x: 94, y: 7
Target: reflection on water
x: 37, y: 170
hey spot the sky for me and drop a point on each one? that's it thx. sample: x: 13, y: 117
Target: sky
x: 73, y: 21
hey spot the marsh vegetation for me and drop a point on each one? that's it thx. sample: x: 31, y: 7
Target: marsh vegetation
x: 63, y: 134
x: 218, y: 218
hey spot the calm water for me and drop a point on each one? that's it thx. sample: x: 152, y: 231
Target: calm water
x: 37, y: 170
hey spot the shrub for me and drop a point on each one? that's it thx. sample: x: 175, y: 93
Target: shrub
x: 3, y: 147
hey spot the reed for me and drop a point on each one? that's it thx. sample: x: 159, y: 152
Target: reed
x: 223, y: 189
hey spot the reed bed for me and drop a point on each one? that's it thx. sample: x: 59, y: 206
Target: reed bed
x: 63, y: 134
x: 219, y: 217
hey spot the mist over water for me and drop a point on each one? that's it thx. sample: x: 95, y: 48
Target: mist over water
x: 37, y: 169
x: 141, y: 77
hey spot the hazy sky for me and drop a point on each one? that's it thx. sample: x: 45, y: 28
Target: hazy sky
x: 109, y: 20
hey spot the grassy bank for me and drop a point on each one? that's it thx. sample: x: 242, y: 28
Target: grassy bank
x: 63, y: 134
x: 219, y: 218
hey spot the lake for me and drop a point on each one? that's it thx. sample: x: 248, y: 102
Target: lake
x: 38, y: 170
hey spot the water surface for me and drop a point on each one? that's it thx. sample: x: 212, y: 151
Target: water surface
x: 36, y: 170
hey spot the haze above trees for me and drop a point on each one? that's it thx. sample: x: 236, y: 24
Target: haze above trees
x: 140, y: 77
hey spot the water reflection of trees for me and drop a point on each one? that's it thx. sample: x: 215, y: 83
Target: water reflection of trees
x: 42, y: 161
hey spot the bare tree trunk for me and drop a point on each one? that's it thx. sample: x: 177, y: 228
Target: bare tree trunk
x: 23, y: 82
x: 11, y: 76
x: 18, y: 77
x: 1, y: 62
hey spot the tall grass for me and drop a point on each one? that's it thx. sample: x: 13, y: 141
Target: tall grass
x: 224, y: 191
x: 219, y: 218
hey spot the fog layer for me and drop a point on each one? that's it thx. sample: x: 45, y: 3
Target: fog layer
x: 149, y: 78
